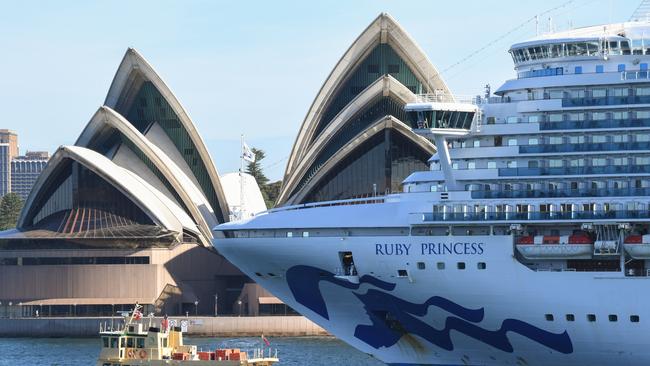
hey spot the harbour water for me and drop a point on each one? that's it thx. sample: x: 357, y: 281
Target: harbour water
x: 314, y: 351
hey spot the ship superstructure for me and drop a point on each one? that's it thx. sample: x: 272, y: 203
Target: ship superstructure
x: 526, y: 242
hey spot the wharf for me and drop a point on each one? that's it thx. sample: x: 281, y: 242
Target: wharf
x: 222, y: 326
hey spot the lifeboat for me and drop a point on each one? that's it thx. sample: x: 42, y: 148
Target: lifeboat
x: 577, y: 246
x: 637, y: 246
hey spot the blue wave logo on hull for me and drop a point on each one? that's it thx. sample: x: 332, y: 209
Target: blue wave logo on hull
x: 393, y: 317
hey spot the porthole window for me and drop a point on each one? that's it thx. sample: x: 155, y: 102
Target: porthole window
x: 258, y: 274
x: 481, y: 265
x: 421, y: 265
x: 591, y: 317
x: 461, y: 265
x: 402, y: 273
x: 570, y: 317
x: 613, y: 317
x: 549, y: 317
x: 634, y: 318
x: 441, y: 265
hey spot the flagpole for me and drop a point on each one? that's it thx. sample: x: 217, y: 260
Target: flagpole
x: 241, y: 180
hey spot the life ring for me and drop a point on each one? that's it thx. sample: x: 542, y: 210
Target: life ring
x: 142, y: 354
x: 130, y: 353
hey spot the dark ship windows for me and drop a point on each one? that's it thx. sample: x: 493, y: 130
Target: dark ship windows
x: 402, y: 273
x: 481, y: 265
x: 549, y: 317
x: 591, y: 317
x: 634, y: 318
x: 570, y: 318
x: 441, y: 265
x: 613, y: 317
x: 460, y: 265
x: 421, y: 265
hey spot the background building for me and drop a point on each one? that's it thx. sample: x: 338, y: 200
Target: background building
x: 25, y: 170
x: 8, y: 150
x: 125, y: 215
x: 355, y: 140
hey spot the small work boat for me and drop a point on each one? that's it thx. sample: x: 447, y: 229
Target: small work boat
x: 130, y: 345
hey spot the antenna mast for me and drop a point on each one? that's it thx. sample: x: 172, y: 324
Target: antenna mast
x: 642, y: 12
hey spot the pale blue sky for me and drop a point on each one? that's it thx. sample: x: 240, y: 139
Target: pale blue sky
x: 240, y: 66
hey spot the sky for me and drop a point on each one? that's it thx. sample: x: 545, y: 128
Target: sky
x: 244, y: 67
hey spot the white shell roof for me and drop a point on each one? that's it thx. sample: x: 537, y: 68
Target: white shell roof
x: 133, y: 61
x: 155, y: 204
x: 187, y: 190
x: 384, y: 29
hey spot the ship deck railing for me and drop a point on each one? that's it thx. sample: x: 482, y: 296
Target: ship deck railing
x: 561, y: 193
x: 447, y: 98
x: 512, y: 217
x: 345, y: 202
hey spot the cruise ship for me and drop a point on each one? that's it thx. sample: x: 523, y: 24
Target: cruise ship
x: 527, y: 241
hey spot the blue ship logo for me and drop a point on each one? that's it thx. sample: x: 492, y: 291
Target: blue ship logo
x: 393, y: 317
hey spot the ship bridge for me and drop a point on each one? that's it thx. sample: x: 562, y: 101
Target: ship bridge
x: 440, y: 115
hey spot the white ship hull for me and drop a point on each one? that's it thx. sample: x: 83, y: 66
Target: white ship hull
x: 494, y: 316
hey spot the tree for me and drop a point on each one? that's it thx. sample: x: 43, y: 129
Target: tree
x: 10, y: 207
x: 255, y: 169
x: 270, y: 191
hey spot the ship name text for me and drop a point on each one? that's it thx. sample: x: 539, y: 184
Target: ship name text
x: 458, y: 248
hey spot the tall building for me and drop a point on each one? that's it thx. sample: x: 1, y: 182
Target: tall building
x: 25, y: 170
x: 10, y: 137
x: 123, y: 216
x: 8, y: 150
x: 355, y: 140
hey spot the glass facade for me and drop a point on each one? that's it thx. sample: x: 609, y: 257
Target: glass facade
x: 148, y: 107
x: 83, y: 201
x: 108, y: 145
x: 382, y: 60
x: 377, y: 109
x: 378, y: 166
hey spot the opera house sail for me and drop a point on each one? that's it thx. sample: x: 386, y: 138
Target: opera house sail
x: 132, y: 203
x: 355, y: 140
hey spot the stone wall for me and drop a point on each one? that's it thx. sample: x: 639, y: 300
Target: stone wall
x: 291, y: 326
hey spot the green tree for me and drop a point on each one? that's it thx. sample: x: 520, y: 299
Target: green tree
x: 255, y: 169
x: 270, y: 191
x: 10, y: 207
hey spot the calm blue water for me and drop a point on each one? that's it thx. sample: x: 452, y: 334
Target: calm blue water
x: 314, y: 351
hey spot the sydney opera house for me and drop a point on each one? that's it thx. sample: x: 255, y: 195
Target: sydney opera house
x: 355, y: 140
x: 126, y: 213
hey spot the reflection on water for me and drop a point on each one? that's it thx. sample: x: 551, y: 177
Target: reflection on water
x: 83, y: 352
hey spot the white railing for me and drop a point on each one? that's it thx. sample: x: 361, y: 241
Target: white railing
x: 352, y: 201
x: 446, y: 98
